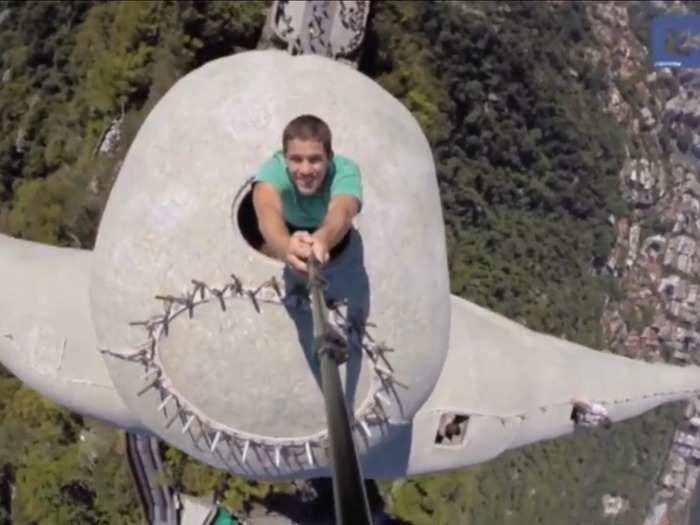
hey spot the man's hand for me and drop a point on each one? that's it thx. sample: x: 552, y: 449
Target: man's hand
x: 319, y: 247
x: 336, y: 224
x: 299, y: 250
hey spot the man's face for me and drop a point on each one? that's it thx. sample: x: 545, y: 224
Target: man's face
x: 307, y: 164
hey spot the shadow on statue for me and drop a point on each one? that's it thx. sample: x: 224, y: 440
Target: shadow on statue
x: 346, y: 283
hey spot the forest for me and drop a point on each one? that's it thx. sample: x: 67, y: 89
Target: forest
x: 528, y: 164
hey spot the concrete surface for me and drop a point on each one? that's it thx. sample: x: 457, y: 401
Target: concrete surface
x: 249, y: 375
x: 46, y: 334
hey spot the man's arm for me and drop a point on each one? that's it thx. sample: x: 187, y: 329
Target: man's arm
x: 268, y: 208
x: 293, y: 249
x: 267, y: 200
x: 341, y: 211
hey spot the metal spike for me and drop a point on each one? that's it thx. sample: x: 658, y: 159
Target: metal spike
x: 308, y: 454
x: 188, y: 424
x: 145, y: 345
x: 219, y: 294
x: 150, y: 373
x: 381, y: 347
x: 165, y: 402
x: 152, y: 347
x: 129, y: 357
x: 383, y: 399
x: 260, y: 287
x: 147, y: 387
x: 245, y: 450
x: 173, y: 419
x: 276, y: 287
x: 189, y: 303
x: 200, y: 287
x: 255, y: 301
x: 383, y: 371
x: 378, y: 412
x: 166, y: 317
x: 389, y: 376
x: 237, y: 286
x: 217, y: 437
x: 365, y: 427
x: 157, y: 331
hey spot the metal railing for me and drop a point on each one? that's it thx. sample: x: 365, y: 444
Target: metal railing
x: 144, y: 462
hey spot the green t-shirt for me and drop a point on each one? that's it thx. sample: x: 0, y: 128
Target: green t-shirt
x: 308, y: 211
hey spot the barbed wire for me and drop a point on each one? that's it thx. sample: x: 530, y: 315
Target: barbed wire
x: 372, y: 412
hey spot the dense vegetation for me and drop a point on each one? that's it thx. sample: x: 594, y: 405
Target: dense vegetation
x: 70, y: 69
x: 528, y: 165
x: 528, y: 161
x: 64, y: 470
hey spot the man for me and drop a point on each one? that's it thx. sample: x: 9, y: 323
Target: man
x: 305, y: 197
x: 587, y: 414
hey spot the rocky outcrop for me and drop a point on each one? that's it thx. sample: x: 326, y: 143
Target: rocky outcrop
x: 614, y: 505
x: 4, y: 15
x: 618, y: 46
x: 20, y: 140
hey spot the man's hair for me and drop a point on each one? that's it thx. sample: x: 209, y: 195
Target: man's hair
x: 577, y: 414
x: 308, y: 127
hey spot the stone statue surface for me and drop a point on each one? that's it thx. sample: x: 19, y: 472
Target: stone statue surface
x: 174, y: 325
